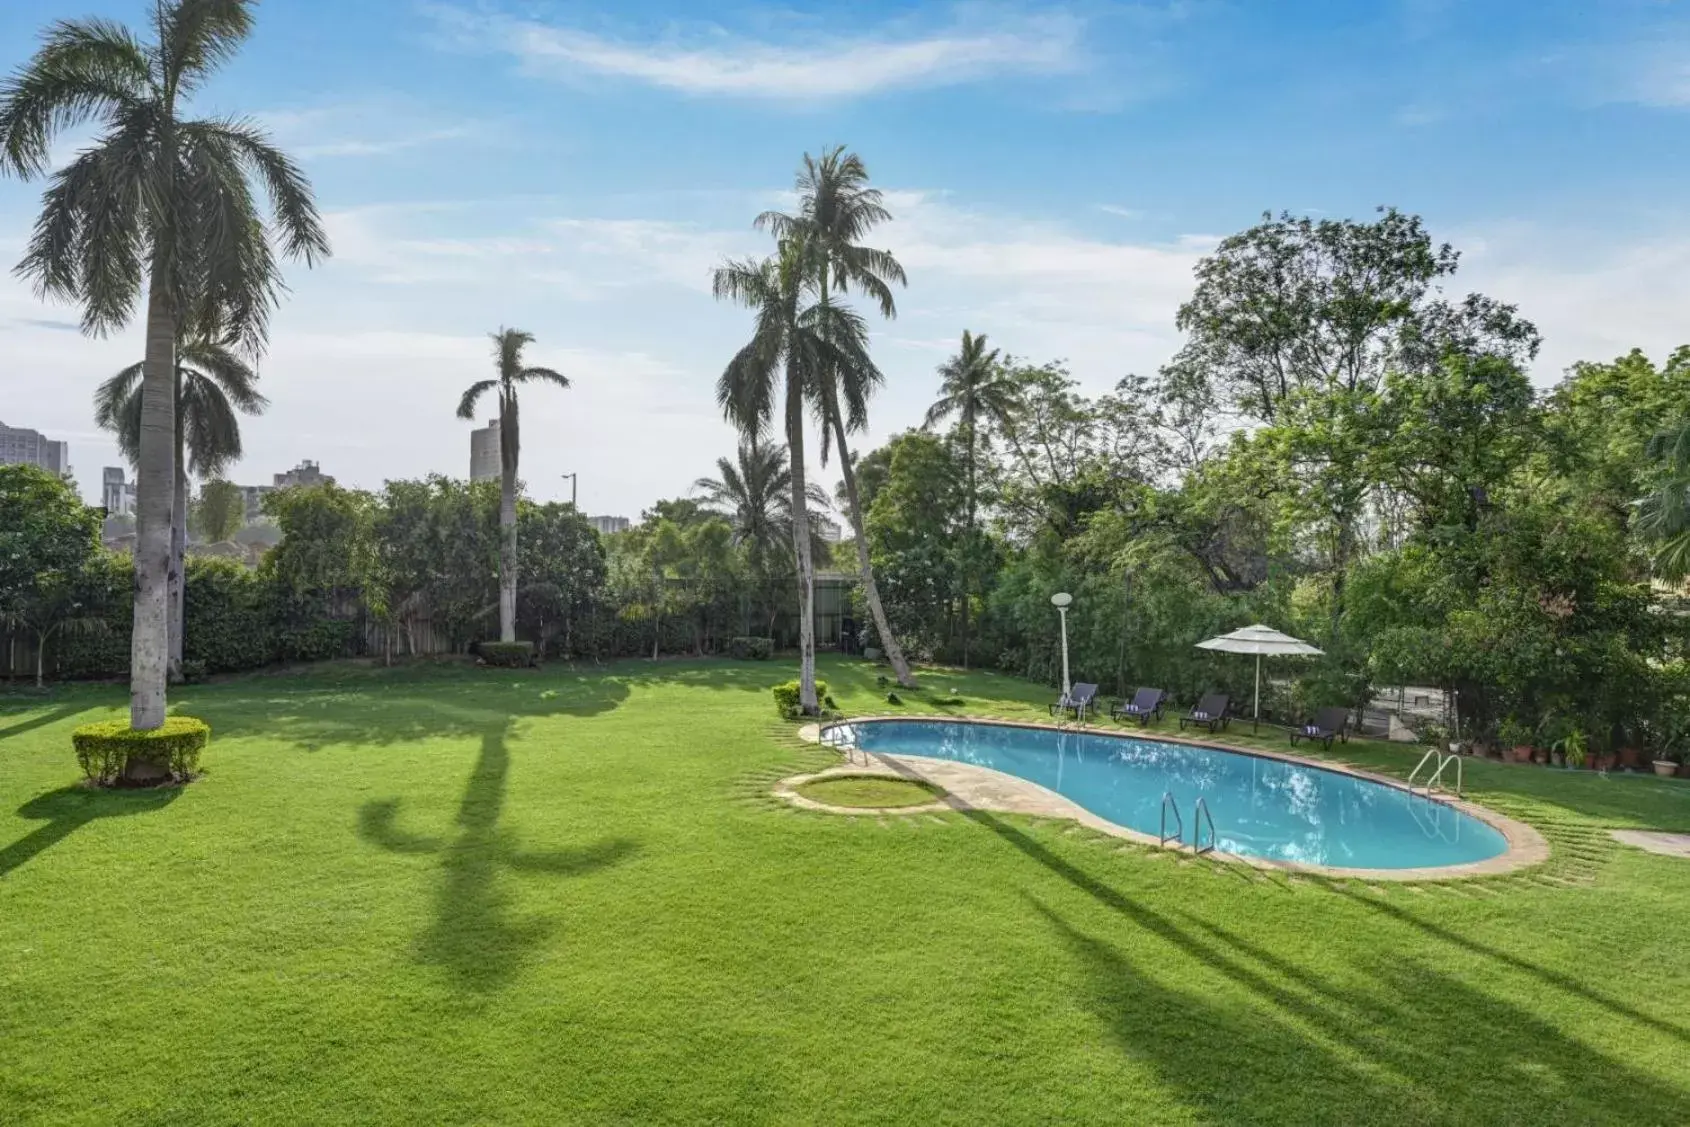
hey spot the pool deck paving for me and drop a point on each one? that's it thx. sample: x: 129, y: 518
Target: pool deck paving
x: 1655, y: 841
x: 969, y: 787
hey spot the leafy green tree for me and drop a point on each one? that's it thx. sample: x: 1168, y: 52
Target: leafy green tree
x: 47, y: 538
x: 754, y: 494
x: 564, y: 563
x: 159, y: 202
x: 220, y: 510
x: 1600, y: 420
x: 508, y: 345
x: 913, y: 526
x: 1664, y: 512
x: 214, y: 385
x: 797, y: 336
x: 837, y: 208
x: 328, y: 542
x: 438, y: 543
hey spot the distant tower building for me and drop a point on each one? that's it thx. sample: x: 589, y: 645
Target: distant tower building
x: 484, y: 461
x: 31, y: 447
x: 827, y: 529
x: 609, y: 525
x: 117, y: 496
x: 252, y: 497
x: 306, y: 473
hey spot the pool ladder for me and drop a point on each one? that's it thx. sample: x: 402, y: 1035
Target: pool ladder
x: 1199, y: 815
x: 1440, y: 762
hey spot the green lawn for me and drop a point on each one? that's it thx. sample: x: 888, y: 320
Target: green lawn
x: 443, y: 895
x: 870, y: 791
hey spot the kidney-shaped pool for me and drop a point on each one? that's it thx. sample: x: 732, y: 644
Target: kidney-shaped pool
x: 1262, y: 807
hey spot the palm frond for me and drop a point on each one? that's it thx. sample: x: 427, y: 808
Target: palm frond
x: 223, y: 366
x: 196, y: 36
x: 84, y: 69
x: 542, y: 375
x: 297, y: 223
x: 472, y: 395
x: 211, y: 430
x: 117, y: 408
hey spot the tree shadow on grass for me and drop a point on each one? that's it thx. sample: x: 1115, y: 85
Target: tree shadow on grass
x: 1416, y: 1045
x: 64, y: 811
x: 375, y: 712
x: 473, y: 935
x: 40, y: 720
x: 1433, y: 1047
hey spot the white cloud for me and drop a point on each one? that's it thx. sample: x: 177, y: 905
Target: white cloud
x: 363, y: 129
x: 978, y: 43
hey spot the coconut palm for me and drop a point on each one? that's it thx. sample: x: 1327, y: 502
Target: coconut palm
x: 798, y: 335
x: 158, y: 202
x: 213, y: 386
x: 975, y: 388
x: 836, y: 209
x: 754, y: 493
x: 1664, y: 514
x: 513, y: 373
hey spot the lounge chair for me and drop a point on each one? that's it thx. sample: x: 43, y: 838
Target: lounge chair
x: 1145, y: 706
x: 1211, y: 713
x: 1079, y: 701
x: 1328, y: 724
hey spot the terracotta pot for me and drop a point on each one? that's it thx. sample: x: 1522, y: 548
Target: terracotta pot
x: 1665, y: 768
x: 1630, y: 757
x: 1522, y: 753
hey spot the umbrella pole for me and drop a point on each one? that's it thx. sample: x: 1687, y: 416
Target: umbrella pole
x: 1256, y: 721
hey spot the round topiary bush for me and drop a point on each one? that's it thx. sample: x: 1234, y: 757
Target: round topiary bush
x: 111, y: 752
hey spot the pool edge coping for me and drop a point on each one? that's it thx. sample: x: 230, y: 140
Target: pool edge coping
x: 1525, y: 846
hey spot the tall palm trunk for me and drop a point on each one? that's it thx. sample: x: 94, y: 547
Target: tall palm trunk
x: 508, y: 440
x: 801, y: 542
x: 507, y: 558
x: 178, y: 548
x: 149, y: 654
x: 969, y: 545
x: 871, y: 592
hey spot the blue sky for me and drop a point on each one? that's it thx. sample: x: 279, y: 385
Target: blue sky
x: 576, y: 169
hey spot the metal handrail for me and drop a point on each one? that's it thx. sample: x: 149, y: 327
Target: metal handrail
x: 1179, y: 824
x: 1430, y: 752
x: 1443, y: 762
x: 1198, y: 813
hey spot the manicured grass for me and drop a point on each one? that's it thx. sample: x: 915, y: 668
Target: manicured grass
x: 870, y: 791
x: 444, y: 895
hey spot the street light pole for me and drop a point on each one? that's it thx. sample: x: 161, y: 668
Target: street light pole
x: 574, y: 480
x: 1060, y: 601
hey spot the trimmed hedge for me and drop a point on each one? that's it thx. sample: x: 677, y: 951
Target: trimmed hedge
x: 508, y: 655
x: 786, y: 697
x: 751, y: 649
x: 104, y: 750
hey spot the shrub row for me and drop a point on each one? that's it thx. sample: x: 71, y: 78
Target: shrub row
x: 509, y: 655
x: 751, y: 649
x: 104, y: 750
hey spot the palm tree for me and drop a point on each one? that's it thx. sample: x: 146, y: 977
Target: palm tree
x: 158, y: 202
x: 975, y: 388
x: 836, y: 209
x: 795, y: 339
x: 213, y: 383
x: 754, y: 493
x: 507, y: 354
x: 1664, y: 514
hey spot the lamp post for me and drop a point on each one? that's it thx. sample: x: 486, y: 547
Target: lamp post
x: 574, y: 480
x: 1060, y: 601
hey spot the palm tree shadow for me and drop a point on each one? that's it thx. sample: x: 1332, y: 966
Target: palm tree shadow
x: 40, y: 720
x: 64, y: 811
x: 474, y: 935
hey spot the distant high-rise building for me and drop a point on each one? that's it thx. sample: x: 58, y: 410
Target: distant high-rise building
x: 610, y: 525
x: 827, y: 528
x: 306, y: 473
x: 117, y: 496
x: 31, y: 447
x: 484, y: 454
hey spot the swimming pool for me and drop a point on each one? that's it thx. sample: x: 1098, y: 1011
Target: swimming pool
x: 1262, y: 807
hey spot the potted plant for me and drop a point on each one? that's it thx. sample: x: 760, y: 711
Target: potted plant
x: 1674, y: 735
x: 1516, y: 737
x: 1572, y: 748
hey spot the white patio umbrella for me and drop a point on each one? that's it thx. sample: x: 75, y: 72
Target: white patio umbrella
x: 1263, y: 641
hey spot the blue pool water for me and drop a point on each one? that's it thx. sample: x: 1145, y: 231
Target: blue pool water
x: 1262, y: 807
